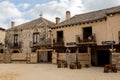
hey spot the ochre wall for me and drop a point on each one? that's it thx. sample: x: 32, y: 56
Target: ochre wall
x: 104, y: 30
x: 99, y: 28
x: 113, y: 25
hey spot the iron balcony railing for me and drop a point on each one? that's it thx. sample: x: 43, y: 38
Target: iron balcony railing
x: 90, y: 40
x: 58, y: 42
x: 44, y: 42
x: 15, y: 45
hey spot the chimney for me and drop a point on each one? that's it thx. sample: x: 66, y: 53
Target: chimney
x: 67, y: 15
x: 57, y: 20
x: 12, y: 24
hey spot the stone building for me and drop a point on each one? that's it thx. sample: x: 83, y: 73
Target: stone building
x: 2, y: 39
x: 93, y: 36
x: 30, y: 37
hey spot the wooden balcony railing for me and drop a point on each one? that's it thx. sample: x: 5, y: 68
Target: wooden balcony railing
x: 58, y: 43
x: 90, y: 40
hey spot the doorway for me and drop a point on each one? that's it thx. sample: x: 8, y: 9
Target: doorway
x: 59, y: 36
x: 45, y: 57
x: 49, y: 56
x: 87, y: 32
x: 103, y: 57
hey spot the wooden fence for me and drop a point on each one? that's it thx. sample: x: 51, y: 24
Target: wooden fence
x: 83, y: 58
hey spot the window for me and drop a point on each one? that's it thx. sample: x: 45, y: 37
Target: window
x: 59, y: 36
x: 1, y: 51
x: 36, y: 38
x: 16, y: 40
x: 15, y: 51
x: 87, y: 33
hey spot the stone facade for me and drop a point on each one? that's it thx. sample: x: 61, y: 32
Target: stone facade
x: 25, y: 33
x: 2, y: 35
x: 2, y: 41
x: 23, y: 41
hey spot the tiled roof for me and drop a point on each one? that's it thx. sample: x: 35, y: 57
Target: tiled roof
x: 40, y: 22
x: 90, y: 16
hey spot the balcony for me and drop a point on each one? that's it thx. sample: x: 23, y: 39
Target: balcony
x: 58, y: 43
x: 15, y: 45
x: 90, y: 40
x: 45, y: 42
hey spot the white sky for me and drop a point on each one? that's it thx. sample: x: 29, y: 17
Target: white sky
x: 22, y: 11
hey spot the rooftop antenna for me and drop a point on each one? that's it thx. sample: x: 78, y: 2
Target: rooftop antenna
x: 41, y: 14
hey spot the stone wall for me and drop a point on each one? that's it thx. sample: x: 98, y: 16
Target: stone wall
x: 2, y: 36
x: 54, y: 57
x: 116, y: 59
x: 26, y: 36
x: 18, y: 56
x: 1, y: 57
x: 33, y: 57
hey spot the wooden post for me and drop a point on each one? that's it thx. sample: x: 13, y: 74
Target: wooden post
x: 77, y: 55
x: 89, y: 52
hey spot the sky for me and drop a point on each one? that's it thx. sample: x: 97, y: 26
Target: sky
x: 21, y: 11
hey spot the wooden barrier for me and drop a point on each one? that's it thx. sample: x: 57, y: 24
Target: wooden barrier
x: 110, y: 68
x: 62, y: 64
x: 116, y: 60
x: 83, y: 58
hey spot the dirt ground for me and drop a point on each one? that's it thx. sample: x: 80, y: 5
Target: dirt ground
x: 51, y: 72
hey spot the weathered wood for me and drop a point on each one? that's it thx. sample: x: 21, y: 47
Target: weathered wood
x: 110, y: 68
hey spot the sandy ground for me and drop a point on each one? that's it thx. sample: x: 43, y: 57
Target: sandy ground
x: 51, y: 72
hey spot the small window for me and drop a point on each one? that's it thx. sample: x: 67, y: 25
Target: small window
x: 59, y: 36
x: 16, y: 39
x: 1, y: 51
x: 87, y: 33
x: 36, y: 38
x: 15, y: 51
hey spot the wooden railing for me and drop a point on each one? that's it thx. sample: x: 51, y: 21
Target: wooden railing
x: 83, y: 58
x: 58, y: 43
x: 90, y: 40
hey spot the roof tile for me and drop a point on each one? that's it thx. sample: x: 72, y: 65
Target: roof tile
x: 90, y: 16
